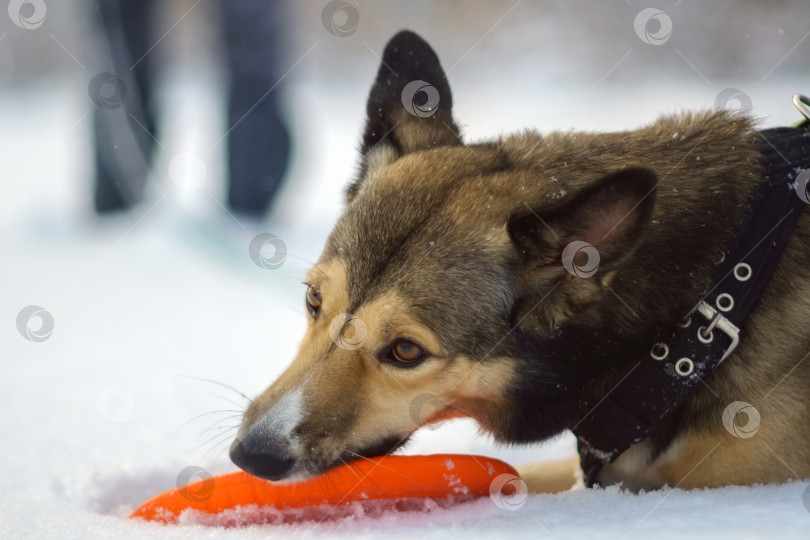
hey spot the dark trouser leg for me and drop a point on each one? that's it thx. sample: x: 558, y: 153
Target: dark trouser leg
x: 122, y: 145
x: 259, y: 144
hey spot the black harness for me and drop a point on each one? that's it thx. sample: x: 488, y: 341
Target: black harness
x: 663, y: 381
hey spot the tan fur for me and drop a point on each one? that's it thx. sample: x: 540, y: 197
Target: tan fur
x: 552, y: 476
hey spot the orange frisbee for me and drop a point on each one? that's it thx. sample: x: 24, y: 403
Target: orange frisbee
x: 438, y: 476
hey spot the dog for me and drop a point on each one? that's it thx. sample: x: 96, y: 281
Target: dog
x: 444, y: 284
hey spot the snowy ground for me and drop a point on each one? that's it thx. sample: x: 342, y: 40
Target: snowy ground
x: 106, y: 412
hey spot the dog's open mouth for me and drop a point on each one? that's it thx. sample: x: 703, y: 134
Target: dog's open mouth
x: 279, y: 466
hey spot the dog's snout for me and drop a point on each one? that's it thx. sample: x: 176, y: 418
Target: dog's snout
x: 263, y: 458
x: 263, y: 449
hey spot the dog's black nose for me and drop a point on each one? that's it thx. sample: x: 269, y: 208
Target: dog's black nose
x: 263, y: 458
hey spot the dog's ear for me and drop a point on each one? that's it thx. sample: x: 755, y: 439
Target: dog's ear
x: 409, y: 106
x: 609, y: 215
x: 584, y: 240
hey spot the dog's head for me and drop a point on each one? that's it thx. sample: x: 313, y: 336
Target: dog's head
x: 446, y: 259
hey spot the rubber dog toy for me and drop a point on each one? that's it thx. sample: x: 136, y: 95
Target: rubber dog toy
x: 438, y: 476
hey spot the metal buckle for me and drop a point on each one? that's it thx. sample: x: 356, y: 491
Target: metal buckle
x: 802, y: 103
x: 717, y: 320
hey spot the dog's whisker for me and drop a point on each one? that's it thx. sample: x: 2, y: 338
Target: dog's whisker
x: 218, y: 411
x: 218, y: 447
x: 214, y: 437
x: 218, y: 422
x: 331, y: 482
x: 219, y: 440
x: 379, y: 464
x: 351, y: 469
x: 297, y: 275
x: 232, y: 402
x: 288, y: 305
x: 218, y: 429
x: 367, y: 479
x: 300, y: 258
x: 207, y: 455
x: 222, y: 384
x: 219, y: 454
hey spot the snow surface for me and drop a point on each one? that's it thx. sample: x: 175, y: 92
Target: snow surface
x: 111, y: 408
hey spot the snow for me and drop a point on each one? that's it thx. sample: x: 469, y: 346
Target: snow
x: 113, y: 406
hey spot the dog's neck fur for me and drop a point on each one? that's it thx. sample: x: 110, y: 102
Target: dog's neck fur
x: 695, y: 218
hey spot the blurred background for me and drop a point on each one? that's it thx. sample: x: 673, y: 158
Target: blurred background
x: 145, y: 146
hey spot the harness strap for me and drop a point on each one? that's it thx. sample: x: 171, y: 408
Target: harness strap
x: 660, y: 383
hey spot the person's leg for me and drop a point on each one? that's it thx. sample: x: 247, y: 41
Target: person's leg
x: 258, y: 143
x: 122, y: 119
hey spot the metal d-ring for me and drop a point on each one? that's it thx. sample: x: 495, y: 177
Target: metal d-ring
x: 802, y: 103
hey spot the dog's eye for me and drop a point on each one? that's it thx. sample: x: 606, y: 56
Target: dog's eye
x: 313, y: 301
x: 407, y: 352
